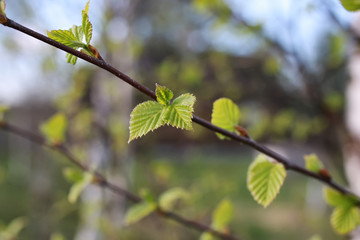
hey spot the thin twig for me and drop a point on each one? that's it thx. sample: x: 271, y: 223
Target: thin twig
x: 102, y: 181
x: 247, y: 141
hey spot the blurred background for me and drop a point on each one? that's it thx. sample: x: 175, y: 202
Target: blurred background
x: 291, y: 66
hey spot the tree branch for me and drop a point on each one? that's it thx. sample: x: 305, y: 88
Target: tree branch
x: 247, y: 141
x: 102, y: 181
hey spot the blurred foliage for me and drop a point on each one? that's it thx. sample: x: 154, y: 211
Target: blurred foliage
x: 173, y: 43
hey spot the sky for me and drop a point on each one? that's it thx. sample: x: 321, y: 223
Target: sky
x: 21, y: 76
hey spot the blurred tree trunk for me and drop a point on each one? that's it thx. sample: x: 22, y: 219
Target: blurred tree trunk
x: 352, y: 143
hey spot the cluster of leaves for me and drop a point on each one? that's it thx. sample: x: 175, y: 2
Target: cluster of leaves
x: 150, y: 115
x: 266, y: 177
x: 74, y: 37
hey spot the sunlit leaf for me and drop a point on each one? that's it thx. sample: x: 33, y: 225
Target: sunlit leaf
x: 146, y: 117
x: 66, y: 37
x: 139, y: 211
x: 265, y: 179
x: 222, y: 214
x: 225, y: 114
x: 86, y: 24
x: 313, y: 163
x: 171, y: 196
x: 345, y: 219
x: 163, y: 95
x: 54, y: 129
x: 179, y: 113
x: 351, y: 5
x: 78, y: 187
x: 337, y: 199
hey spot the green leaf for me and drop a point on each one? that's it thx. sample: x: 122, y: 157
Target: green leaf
x: 222, y: 215
x: 265, y: 179
x: 313, y: 163
x: 337, y: 199
x: 86, y: 8
x: 77, y: 31
x: 351, y: 5
x: 79, y: 186
x: 54, y: 128
x: 67, y: 37
x: 86, y: 24
x: 167, y: 199
x: 345, y: 219
x: 71, y: 58
x: 179, y: 113
x: 225, y: 114
x: 146, y: 117
x: 163, y: 95
x: 139, y: 211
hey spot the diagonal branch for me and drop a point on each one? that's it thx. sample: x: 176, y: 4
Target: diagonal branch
x: 247, y: 141
x: 102, y: 181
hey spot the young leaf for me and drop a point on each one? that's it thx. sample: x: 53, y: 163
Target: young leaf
x: 163, y: 95
x: 179, y: 113
x: 225, y: 114
x: 139, y: 211
x: 345, y: 219
x: 66, y: 37
x: 168, y: 198
x: 313, y: 163
x: 86, y: 24
x: 71, y: 58
x: 337, y: 199
x: 265, y: 179
x: 222, y: 215
x: 79, y: 186
x: 351, y: 5
x: 54, y: 128
x: 146, y: 117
